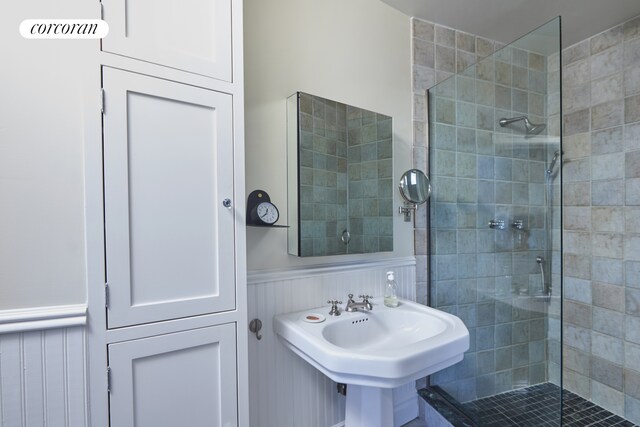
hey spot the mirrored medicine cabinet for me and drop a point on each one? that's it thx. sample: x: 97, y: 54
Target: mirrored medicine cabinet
x: 340, y: 178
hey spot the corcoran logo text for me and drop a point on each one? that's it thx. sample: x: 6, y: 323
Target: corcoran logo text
x: 64, y: 28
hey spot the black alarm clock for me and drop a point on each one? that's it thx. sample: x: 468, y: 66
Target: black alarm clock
x: 260, y: 210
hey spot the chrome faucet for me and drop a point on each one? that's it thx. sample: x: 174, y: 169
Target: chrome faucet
x: 355, y: 306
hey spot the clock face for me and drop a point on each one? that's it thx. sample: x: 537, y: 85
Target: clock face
x: 267, y: 212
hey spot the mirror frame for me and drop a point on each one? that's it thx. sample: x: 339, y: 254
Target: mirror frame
x: 408, y: 190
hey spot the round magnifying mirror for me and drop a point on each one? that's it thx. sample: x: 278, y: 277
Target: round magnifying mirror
x: 415, y: 186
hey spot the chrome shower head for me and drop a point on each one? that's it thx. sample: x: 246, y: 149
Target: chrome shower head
x: 531, y: 129
x: 534, y: 129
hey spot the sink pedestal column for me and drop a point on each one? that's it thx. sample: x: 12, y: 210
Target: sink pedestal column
x: 368, y: 407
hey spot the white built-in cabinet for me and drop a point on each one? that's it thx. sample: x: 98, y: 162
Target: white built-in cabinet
x: 188, y: 35
x: 168, y: 168
x: 167, y: 274
x: 182, y: 379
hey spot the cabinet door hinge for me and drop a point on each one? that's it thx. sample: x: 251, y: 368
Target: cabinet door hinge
x: 108, y: 379
x: 106, y: 295
x: 101, y: 101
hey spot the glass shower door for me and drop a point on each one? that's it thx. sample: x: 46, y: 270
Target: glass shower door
x: 495, y: 226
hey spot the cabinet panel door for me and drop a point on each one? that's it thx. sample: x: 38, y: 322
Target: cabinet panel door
x: 182, y: 379
x: 168, y: 165
x: 189, y: 35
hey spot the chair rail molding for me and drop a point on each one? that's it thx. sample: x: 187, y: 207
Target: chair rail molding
x: 288, y: 273
x: 40, y: 318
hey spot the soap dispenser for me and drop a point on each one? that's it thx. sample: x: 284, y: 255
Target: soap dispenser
x: 391, y: 293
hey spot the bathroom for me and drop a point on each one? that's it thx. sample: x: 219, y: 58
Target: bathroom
x: 379, y: 56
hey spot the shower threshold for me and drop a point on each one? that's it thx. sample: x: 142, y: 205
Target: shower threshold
x: 534, y: 406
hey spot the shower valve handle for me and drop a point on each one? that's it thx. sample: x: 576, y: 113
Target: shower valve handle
x: 497, y: 224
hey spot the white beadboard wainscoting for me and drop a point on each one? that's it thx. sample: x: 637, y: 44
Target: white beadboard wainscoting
x: 286, y: 391
x: 43, y: 367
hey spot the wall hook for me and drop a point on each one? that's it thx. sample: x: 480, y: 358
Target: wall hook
x: 255, y: 326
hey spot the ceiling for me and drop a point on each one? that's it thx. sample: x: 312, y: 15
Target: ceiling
x: 507, y: 20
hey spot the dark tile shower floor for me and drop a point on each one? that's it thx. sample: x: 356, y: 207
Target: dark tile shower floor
x: 535, y: 406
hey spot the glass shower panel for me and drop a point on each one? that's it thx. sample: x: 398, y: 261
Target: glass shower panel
x: 495, y: 220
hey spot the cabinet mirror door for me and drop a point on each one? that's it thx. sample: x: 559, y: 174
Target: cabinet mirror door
x: 340, y: 172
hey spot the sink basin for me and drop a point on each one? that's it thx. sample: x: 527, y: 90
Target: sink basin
x: 384, y: 348
x: 383, y: 330
x: 374, y: 351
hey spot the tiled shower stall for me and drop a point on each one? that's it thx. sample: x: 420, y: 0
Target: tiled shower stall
x: 515, y: 340
x: 483, y: 173
x: 601, y: 198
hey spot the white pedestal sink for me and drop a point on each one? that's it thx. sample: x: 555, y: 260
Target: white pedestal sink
x: 375, y: 351
x: 368, y: 406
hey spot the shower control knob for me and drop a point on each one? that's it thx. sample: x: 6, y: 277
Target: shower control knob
x: 497, y: 224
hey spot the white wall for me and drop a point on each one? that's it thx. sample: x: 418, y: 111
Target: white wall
x: 356, y: 52
x: 42, y: 257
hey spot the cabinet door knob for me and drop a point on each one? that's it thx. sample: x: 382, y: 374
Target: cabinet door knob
x: 226, y: 203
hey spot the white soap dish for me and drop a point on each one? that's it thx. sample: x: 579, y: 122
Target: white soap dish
x: 313, y: 318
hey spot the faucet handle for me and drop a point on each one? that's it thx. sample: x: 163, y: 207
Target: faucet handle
x: 366, y: 297
x: 335, y: 311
